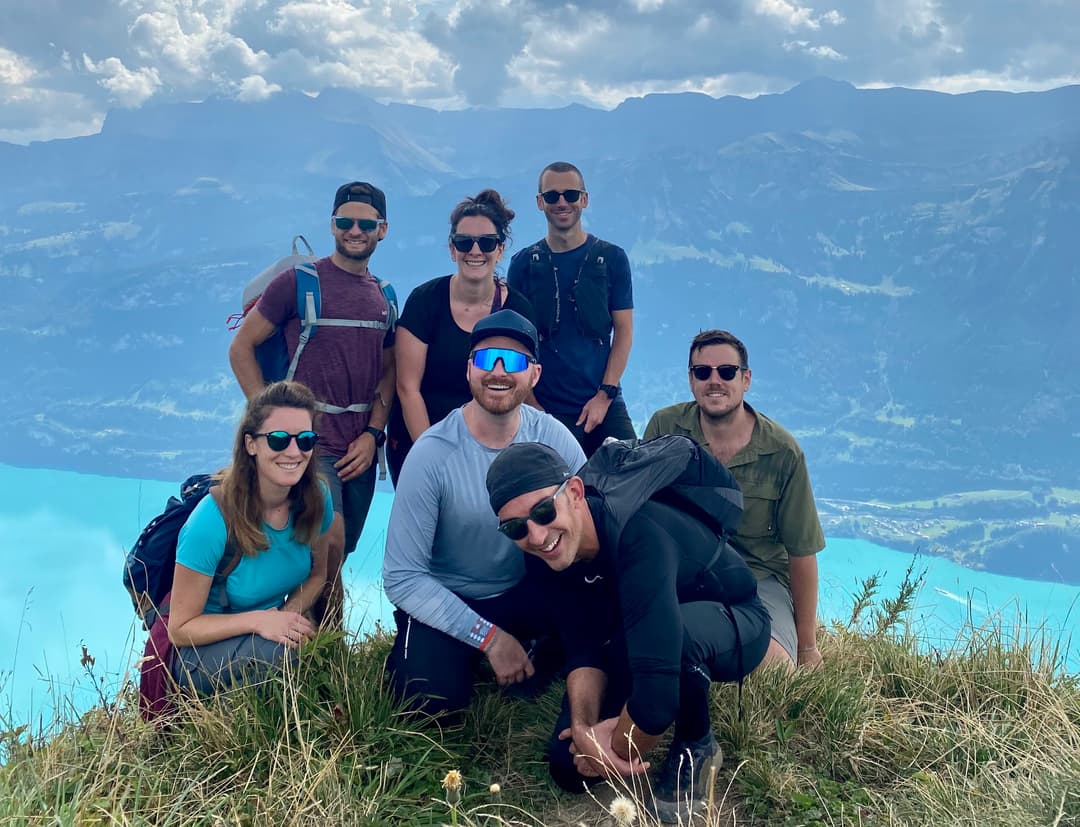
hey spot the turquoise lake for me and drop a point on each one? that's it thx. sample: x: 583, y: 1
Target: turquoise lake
x: 64, y: 536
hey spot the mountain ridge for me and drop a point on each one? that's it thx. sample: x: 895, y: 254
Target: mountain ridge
x: 902, y: 270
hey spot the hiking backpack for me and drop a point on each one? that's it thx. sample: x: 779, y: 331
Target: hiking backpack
x: 148, y: 567
x: 588, y: 298
x: 677, y: 472
x: 273, y: 354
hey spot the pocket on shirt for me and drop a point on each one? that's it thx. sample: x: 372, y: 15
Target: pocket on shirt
x: 761, y: 500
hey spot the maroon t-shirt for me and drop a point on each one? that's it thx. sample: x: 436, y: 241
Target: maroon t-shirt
x: 341, y: 365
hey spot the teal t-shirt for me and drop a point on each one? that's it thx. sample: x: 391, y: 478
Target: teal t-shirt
x: 259, y: 582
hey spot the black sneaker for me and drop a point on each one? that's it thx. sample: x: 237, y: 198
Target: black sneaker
x: 682, y: 784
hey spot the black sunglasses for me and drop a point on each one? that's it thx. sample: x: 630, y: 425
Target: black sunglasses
x: 552, y: 196
x: 464, y: 243
x: 517, y: 528
x: 725, y: 372
x: 279, y: 440
x: 367, y: 225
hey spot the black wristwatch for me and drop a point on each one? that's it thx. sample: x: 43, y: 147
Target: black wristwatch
x: 380, y: 436
x: 611, y: 390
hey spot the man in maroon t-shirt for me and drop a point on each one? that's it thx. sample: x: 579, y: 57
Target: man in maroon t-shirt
x: 350, y: 369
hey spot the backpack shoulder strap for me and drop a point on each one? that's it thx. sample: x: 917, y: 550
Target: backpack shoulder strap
x: 599, y: 250
x: 537, y: 252
x: 308, y: 295
x: 308, y: 308
x: 391, y: 303
x: 230, y: 559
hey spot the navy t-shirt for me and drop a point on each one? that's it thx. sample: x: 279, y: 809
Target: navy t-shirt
x: 573, y: 366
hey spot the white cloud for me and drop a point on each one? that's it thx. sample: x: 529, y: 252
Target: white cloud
x: 792, y: 15
x: 804, y: 47
x: 505, y: 52
x: 127, y: 88
x: 15, y: 70
x: 1005, y: 81
x: 256, y: 88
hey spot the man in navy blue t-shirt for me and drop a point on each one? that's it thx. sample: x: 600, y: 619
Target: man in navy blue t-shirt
x: 580, y: 288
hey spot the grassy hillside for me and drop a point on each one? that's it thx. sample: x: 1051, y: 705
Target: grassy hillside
x: 884, y: 734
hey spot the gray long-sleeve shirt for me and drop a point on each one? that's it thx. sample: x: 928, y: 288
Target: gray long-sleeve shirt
x: 443, y: 542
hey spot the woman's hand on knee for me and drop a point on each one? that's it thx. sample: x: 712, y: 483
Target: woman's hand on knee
x: 288, y: 628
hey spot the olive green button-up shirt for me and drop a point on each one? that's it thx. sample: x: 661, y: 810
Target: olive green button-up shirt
x: 780, y: 517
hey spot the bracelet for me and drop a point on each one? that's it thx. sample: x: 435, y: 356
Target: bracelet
x: 806, y: 649
x: 490, y: 636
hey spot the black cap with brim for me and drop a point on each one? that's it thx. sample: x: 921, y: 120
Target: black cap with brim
x: 362, y: 192
x: 521, y: 468
x: 506, y: 323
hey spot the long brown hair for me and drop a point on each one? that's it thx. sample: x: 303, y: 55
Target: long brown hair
x: 240, y: 503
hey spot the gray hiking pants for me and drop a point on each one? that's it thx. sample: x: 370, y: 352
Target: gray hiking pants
x: 235, y: 660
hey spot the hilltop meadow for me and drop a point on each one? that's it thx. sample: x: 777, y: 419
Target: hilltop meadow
x: 887, y: 733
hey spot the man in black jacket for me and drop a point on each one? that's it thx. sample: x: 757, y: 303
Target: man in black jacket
x: 655, y: 604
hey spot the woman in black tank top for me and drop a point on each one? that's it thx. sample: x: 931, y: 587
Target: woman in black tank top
x: 432, y: 341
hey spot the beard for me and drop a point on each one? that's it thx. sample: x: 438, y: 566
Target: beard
x: 503, y: 403
x: 360, y: 256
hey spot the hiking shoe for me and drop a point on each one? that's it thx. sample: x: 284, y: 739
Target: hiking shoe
x: 682, y: 784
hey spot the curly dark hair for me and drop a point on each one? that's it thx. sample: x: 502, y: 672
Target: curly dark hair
x: 488, y: 204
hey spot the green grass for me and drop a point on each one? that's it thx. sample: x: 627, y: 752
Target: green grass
x: 987, y: 733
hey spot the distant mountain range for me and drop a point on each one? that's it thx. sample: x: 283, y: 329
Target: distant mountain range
x: 902, y: 264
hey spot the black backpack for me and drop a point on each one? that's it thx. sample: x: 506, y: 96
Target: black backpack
x: 148, y: 568
x: 675, y: 471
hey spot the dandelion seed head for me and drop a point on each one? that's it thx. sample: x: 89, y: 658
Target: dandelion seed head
x: 494, y: 789
x: 623, y: 810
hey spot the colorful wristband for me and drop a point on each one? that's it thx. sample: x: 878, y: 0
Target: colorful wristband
x: 481, y: 633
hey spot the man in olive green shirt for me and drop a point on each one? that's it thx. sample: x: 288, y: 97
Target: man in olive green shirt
x: 780, y: 533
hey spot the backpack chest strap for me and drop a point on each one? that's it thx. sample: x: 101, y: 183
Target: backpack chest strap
x: 383, y: 325
x: 359, y: 407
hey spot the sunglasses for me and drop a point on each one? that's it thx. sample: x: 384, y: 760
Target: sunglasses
x: 464, y: 243
x: 366, y: 225
x: 552, y: 196
x: 513, y: 361
x: 543, y: 513
x: 279, y: 440
x: 725, y: 372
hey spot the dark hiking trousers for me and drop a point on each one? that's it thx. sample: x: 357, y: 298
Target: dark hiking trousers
x: 712, y: 652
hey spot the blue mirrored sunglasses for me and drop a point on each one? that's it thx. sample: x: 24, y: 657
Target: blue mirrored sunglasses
x: 513, y: 361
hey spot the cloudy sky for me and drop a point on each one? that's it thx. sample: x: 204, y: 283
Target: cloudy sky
x: 65, y: 63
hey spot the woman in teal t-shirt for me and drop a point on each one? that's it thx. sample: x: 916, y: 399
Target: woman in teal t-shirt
x: 272, y: 507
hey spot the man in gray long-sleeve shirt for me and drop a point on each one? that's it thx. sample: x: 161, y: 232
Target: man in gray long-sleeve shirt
x: 460, y: 588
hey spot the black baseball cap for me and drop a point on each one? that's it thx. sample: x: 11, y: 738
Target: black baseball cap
x: 363, y: 192
x: 506, y: 323
x: 521, y: 468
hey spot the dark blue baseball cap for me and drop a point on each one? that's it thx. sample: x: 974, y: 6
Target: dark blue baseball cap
x: 506, y: 323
